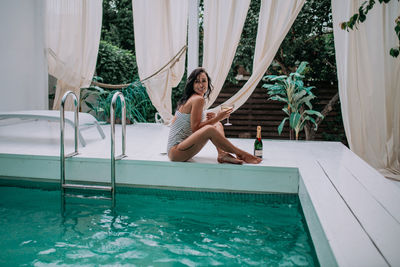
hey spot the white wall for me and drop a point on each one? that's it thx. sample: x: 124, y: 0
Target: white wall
x: 23, y: 63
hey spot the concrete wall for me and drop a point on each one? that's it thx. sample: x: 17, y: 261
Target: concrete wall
x: 23, y: 63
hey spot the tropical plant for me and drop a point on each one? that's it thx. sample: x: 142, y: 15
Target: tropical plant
x: 291, y: 90
x: 138, y: 104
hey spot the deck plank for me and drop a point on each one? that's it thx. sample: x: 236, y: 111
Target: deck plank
x: 373, y: 217
x: 348, y: 241
x: 383, y: 190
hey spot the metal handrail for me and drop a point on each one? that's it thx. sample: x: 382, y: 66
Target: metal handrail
x: 76, y: 126
x: 112, y: 121
x: 62, y: 130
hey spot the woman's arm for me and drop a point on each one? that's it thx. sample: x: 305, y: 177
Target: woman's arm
x: 197, y: 112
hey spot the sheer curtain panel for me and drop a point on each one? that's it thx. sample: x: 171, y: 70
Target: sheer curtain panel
x: 223, y: 25
x: 73, y: 30
x: 276, y: 18
x: 369, y: 84
x: 160, y: 33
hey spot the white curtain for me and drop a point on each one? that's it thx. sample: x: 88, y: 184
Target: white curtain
x: 369, y: 83
x: 73, y: 30
x: 276, y: 18
x: 223, y: 24
x: 160, y: 33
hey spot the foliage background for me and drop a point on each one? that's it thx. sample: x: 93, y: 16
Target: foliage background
x: 310, y: 39
x: 115, y: 65
x: 117, y: 27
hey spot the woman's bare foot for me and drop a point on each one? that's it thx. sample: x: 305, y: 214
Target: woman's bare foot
x: 248, y: 158
x: 228, y: 158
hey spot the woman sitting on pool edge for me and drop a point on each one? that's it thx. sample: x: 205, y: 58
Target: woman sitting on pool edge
x: 189, y: 133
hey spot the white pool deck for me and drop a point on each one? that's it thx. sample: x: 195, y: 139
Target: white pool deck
x: 353, y: 212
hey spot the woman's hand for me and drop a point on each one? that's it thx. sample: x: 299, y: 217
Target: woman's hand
x: 210, y: 115
x: 223, y: 114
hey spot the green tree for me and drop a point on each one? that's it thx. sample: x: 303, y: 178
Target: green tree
x: 117, y: 27
x: 309, y: 39
x: 115, y: 65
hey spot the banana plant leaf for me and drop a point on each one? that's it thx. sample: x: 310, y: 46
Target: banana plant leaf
x: 285, y: 109
x: 294, y: 119
x: 306, y: 100
x: 314, y: 112
x: 280, y: 127
x: 292, y: 91
x: 308, y: 118
x: 297, y: 96
x: 276, y: 78
x: 278, y: 98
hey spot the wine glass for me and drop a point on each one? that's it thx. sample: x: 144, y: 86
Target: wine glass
x: 227, y: 107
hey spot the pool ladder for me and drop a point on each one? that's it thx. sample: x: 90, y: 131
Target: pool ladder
x: 111, y: 187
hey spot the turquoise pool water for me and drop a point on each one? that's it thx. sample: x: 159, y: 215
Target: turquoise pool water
x: 153, y: 228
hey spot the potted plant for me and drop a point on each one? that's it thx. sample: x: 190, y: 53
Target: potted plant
x: 297, y: 98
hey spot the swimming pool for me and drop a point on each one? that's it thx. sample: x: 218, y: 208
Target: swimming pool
x: 153, y: 227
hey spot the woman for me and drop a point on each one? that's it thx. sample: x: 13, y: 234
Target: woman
x: 189, y: 133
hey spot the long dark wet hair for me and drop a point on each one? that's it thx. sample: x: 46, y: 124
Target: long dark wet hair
x: 189, y: 91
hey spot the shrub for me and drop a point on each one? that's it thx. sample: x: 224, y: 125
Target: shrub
x: 116, y: 65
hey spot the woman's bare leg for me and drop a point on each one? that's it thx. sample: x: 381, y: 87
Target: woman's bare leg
x: 225, y: 157
x: 194, y: 143
x: 220, y: 141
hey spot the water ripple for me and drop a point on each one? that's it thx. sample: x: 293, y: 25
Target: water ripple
x: 150, y: 230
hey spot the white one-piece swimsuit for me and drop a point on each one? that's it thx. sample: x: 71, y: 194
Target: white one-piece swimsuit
x: 180, y: 129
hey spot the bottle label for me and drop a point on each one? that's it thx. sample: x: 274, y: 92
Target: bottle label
x: 258, y: 153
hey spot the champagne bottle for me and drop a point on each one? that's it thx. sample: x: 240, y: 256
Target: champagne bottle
x: 258, y: 145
